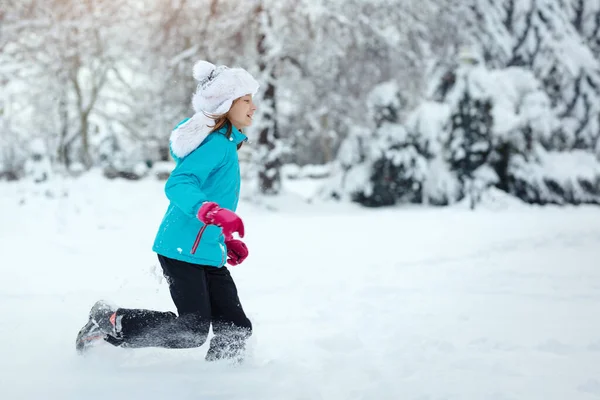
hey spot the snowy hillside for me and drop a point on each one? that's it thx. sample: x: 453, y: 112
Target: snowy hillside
x: 347, y: 303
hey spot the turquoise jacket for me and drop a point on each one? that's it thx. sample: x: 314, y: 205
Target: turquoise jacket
x: 207, y: 169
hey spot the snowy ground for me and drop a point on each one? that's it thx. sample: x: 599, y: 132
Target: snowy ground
x: 347, y: 303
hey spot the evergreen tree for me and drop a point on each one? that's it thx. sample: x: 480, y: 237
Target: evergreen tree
x: 471, y: 143
x: 551, y: 45
x: 397, y: 167
x: 471, y: 135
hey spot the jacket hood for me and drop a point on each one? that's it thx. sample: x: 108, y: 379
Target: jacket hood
x: 189, y: 134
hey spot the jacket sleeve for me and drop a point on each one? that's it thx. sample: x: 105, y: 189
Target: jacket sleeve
x: 184, y: 186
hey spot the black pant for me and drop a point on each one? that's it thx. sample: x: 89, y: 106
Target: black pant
x: 202, y: 295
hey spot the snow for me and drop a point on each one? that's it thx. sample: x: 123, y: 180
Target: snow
x: 346, y: 302
x: 566, y: 167
x: 384, y: 95
x: 37, y: 146
x: 577, y: 174
x: 492, y: 199
x: 440, y: 186
x: 428, y: 121
x: 294, y: 171
x: 516, y: 95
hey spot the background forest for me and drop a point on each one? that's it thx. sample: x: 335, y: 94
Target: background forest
x: 422, y: 101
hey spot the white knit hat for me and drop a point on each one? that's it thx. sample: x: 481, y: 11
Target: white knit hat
x: 219, y: 86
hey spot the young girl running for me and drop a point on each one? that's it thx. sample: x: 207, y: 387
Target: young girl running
x: 196, y: 237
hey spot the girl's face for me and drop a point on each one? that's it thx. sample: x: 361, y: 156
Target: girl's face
x: 242, y: 111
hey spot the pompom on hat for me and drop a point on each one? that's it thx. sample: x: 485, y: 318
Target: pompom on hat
x: 219, y: 86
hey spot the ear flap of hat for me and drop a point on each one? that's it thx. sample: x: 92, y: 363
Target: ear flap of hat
x: 187, y: 136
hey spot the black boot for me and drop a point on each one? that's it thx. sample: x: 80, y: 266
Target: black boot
x: 102, y: 325
x: 230, y: 346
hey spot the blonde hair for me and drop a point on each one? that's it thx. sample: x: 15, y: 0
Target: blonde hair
x: 222, y: 120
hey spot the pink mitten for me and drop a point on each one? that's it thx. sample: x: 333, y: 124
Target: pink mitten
x: 211, y: 214
x: 236, y: 251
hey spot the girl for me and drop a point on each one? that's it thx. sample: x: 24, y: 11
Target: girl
x: 196, y: 236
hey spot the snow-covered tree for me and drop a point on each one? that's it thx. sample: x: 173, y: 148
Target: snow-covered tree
x: 555, y: 39
x: 64, y: 60
x: 585, y: 17
x: 470, y: 135
x: 12, y: 156
x: 471, y: 143
x: 38, y: 166
x: 396, y: 167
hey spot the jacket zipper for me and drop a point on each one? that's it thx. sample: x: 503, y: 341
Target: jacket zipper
x: 223, y: 256
x: 198, y: 237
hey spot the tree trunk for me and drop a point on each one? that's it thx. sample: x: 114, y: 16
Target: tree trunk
x: 269, y: 171
x: 63, y: 147
x: 85, y: 147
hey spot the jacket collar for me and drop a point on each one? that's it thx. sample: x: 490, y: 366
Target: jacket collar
x: 236, y: 135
